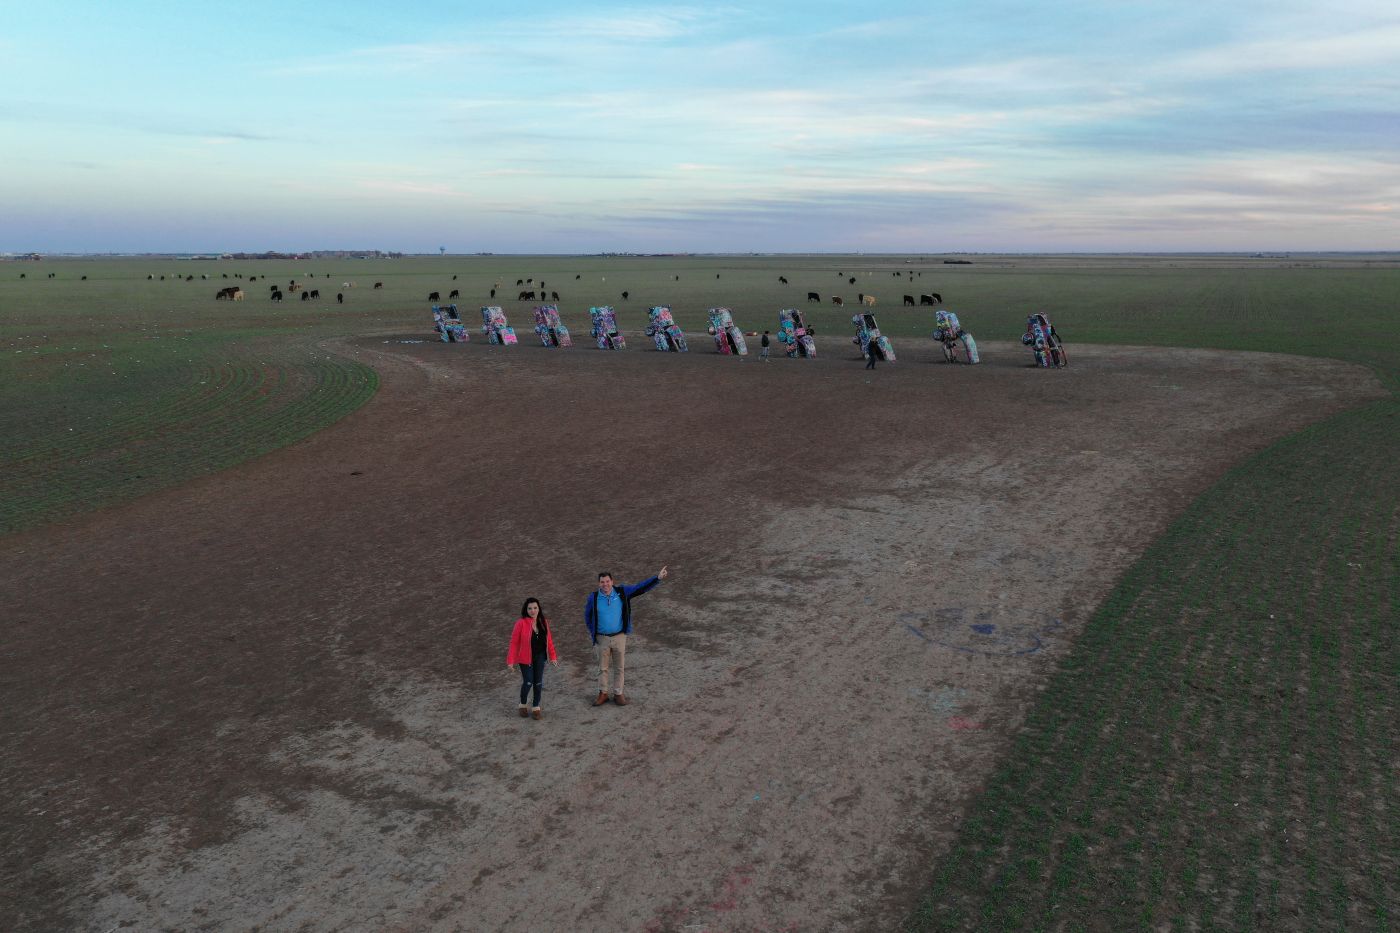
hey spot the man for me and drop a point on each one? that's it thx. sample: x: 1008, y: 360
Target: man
x: 608, y: 615
x: 764, y: 352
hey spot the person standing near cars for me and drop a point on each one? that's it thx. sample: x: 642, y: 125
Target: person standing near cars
x: 608, y: 615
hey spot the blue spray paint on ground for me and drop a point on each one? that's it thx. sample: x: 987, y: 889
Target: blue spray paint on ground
x: 1018, y: 633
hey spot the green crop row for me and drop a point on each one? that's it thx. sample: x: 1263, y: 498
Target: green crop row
x: 100, y: 445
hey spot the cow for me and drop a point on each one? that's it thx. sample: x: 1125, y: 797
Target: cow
x: 868, y: 300
x: 84, y: 278
x: 305, y: 296
x: 222, y: 294
x: 454, y: 278
x: 783, y: 279
x: 525, y: 296
x: 225, y: 275
x: 340, y: 298
x: 836, y: 300
x: 188, y: 278
x: 252, y: 278
x: 851, y: 280
x: 203, y: 276
x: 433, y: 296
x: 294, y: 287
x: 938, y: 298
x: 577, y: 277
x: 276, y: 295
x: 149, y: 278
x: 378, y: 284
x: 716, y: 275
x: 315, y: 293
x: 519, y: 281
x: 813, y: 296
x: 624, y: 296
x: 237, y: 294
x: 909, y: 301
x: 926, y: 300
x: 529, y: 281
x: 493, y: 293
x: 454, y: 293
x: 273, y: 287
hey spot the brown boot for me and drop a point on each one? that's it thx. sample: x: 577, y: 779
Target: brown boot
x: 621, y: 700
x: 601, y: 699
x: 524, y: 711
x: 537, y: 714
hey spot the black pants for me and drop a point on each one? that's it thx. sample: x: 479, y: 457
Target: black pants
x: 870, y: 364
x: 531, y: 676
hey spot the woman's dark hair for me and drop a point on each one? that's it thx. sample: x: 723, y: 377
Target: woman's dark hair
x: 524, y: 607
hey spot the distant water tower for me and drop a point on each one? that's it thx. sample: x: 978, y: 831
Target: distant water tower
x: 442, y: 250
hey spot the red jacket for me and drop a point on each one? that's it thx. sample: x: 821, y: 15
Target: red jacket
x: 519, y: 652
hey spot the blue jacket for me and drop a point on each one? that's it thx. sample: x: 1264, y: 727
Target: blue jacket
x: 590, y: 606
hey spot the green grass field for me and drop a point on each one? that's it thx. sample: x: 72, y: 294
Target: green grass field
x: 1218, y: 751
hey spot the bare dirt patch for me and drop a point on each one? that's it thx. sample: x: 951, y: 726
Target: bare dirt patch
x: 276, y: 697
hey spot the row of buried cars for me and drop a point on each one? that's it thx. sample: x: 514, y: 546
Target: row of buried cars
x: 794, y: 334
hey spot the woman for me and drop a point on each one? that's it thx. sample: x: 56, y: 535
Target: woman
x: 530, y: 644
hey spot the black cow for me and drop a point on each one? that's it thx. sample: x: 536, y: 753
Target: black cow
x: 529, y: 281
x: 937, y: 297
x: 315, y: 293
x: 493, y: 293
x: 276, y: 295
x: 851, y: 280
x: 836, y: 300
x: 926, y: 300
x: 454, y: 278
x: 305, y: 296
x: 454, y: 293
x: 433, y: 296
x: 813, y: 296
x: 225, y: 275
x: 519, y: 281
x: 378, y: 284
x: 783, y: 279
x: 272, y: 287
x: 149, y: 278
x: 624, y: 296
x: 340, y: 298
x: 84, y: 278
x: 577, y: 277
x: 553, y: 296
x: 909, y: 300
x: 525, y: 296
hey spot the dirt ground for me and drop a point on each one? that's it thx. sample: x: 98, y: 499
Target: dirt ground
x: 276, y: 697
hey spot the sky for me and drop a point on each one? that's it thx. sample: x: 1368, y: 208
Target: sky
x: 553, y: 127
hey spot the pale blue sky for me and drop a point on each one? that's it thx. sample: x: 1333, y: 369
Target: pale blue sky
x: 563, y: 127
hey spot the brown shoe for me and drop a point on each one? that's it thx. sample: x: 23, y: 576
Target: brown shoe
x: 537, y: 714
x: 621, y: 700
x: 524, y: 712
x: 602, y: 698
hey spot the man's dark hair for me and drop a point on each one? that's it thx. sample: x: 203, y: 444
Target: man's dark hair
x: 603, y: 573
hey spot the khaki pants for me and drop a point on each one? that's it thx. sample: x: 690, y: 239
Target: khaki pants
x: 609, y: 647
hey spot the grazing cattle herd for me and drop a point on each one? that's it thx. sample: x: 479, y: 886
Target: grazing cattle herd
x: 536, y: 293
